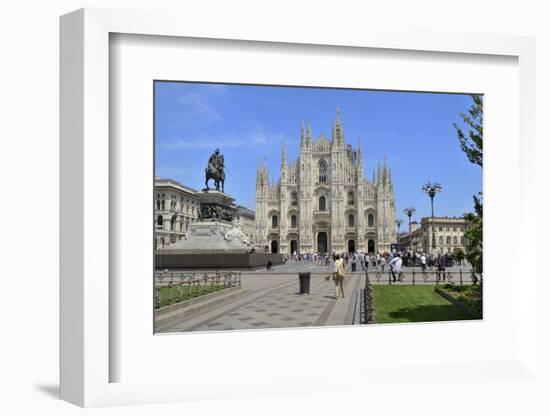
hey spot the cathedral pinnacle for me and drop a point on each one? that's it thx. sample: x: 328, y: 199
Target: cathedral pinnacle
x: 265, y: 178
x: 303, y: 135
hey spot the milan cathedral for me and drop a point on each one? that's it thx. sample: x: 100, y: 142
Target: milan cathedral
x: 322, y: 202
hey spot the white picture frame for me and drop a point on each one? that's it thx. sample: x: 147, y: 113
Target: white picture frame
x: 87, y: 356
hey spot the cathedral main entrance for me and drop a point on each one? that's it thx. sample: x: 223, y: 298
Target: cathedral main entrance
x: 293, y: 247
x: 322, y: 243
x: 370, y: 246
x: 351, y: 246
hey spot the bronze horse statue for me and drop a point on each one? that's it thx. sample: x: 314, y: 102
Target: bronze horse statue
x: 217, y: 174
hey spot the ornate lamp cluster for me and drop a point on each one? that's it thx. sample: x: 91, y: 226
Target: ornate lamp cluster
x: 431, y: 190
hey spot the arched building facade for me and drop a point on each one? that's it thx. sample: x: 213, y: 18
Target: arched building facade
x: 322, y: 202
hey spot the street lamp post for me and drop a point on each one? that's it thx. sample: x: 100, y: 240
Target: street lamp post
x: 431, y: 190
x: 409, y: 212
x: 398, y: 223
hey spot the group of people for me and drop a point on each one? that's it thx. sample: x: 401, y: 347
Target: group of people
x: 411, y: 258
x: 377, y: 262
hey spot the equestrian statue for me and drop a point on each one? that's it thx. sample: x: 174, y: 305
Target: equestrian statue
x: 215, y: 170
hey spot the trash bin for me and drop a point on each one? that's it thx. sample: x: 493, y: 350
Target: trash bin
x: 304, y: 279
x: 353, y: 267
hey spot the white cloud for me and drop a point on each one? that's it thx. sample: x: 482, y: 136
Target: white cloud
x: 256, y: 136
x: 195, y: 105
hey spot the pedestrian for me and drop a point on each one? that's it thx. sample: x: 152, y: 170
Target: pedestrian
x: 440, y: 267
x: 353, y: 261
x: 382, y: 264
x: 395, y: 267
x: 423, y: 262
x: 338, y: 277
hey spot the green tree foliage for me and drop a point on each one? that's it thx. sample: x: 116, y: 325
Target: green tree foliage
x: 474, y: 235
x: 471, y: 142
x: 458, y: 254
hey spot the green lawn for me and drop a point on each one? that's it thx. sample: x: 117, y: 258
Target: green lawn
x: 418, y: 303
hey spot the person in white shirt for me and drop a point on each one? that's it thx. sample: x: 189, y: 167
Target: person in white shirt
x: 395, y: 267
x: 382, y: 263
x: 338, y: 276
x: 423, y: 262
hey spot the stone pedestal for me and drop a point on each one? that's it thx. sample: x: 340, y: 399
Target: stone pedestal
x: 216, y: 231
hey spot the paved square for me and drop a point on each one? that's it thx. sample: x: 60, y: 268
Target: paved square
x: 272, y: 300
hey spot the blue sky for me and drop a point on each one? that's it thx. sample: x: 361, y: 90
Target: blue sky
x: 413, y: 130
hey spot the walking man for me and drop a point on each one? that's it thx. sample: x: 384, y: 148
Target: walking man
x: 395, y: 267
x: 423, y: 262
x: 338, y: 276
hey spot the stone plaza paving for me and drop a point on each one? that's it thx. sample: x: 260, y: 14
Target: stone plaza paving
x: 271, y: 299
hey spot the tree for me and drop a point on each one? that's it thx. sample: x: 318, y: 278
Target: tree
x: 458, y: 254
x: 472, y: 142
x: 474, y: 235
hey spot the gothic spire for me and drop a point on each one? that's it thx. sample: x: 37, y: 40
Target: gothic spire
x: 265, y: 176
x: 309, y: 133
x: 283, y: 159
x: 303, y: 135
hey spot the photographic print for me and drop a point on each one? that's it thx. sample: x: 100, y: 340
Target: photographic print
x: 291, y: 207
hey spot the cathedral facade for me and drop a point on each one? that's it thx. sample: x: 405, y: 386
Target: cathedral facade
x: 322, y: 203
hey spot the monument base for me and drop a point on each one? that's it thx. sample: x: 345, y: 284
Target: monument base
x: 182, y: 260
x: 214, y: 237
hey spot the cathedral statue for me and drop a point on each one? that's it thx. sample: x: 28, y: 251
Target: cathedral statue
x: 215, y: 170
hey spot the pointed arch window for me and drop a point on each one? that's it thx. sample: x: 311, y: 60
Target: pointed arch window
x: 159, y: 221
x: 351, y: 199
x: 323, y: 171
x: 274, y: 221
x: 294, y: 199
x: 370, y: 220
x: 322, y: 203
x: 293, y: 221
x: 351, y: 220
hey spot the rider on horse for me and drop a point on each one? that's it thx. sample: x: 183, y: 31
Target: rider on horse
x: 215, y: 169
